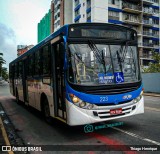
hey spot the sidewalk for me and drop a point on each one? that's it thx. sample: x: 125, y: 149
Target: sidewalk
x: 151, y: 94
x: 3, y: 134
x: 3, y: 137
x: 8, y: 134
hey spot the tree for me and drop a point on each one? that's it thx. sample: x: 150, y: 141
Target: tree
x: 4, y: 73
x: 154, y: 66
x: 2, y: 61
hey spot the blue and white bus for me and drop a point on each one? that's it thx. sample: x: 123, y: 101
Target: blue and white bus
x: 81, y: 74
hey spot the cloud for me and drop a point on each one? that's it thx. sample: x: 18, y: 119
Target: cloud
x: 7, y: 43
x: 18, y: 24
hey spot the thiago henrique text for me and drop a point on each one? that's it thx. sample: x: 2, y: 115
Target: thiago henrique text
x: 144, y: 148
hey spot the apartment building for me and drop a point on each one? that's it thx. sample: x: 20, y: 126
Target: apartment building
x: 141, y: 15
x: 61, y: 13
x: 21, y: 49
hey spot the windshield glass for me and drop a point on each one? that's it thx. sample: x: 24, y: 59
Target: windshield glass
x: 97, y: 64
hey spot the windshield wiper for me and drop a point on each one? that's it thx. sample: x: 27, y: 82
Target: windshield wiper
x: 124, y: 52
x: 97, y: 53
x: 119, y: 60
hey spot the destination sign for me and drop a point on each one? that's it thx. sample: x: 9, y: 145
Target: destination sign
x: 103, y: 33
x: 107, y: 31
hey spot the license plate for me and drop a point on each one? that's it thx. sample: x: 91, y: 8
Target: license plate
x: 116, y: 111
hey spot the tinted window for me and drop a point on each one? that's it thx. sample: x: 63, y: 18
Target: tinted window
x: 46, y: 60
x: 30, y: 65
x: 37, y: 63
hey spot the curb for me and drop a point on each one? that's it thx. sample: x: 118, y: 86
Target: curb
x: 150, y: 94
x: 9, y: 133
x: 5, y: 136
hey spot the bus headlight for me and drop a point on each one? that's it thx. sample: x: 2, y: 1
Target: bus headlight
x: 138, y: 98
x: 80, y: 103
x: 75, y: 99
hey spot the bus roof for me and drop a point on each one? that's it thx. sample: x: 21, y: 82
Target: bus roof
x: 63, y: 30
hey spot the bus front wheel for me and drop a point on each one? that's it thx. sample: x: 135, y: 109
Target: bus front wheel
x: 46, y: 111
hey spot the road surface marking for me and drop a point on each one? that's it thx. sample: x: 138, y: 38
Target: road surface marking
x: 153, y: 109
x: 137, y: 136
x: 111, y: 142
x: 5, y: 135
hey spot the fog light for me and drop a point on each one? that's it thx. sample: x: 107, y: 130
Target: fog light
x: 90, y: 106
x: 135, y: 101
x: 82, y: 104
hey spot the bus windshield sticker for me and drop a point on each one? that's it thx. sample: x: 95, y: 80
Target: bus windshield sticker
x: 105, y: 78
x: 119, y: 78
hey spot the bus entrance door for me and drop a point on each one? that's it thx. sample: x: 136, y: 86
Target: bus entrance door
x: 58, y: 80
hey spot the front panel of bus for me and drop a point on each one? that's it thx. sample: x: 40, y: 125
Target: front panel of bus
x: 103, y: 75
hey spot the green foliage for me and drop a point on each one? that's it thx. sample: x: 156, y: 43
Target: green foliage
x: 5, y: 73
x: 154, y: 67
x: 3, y: 70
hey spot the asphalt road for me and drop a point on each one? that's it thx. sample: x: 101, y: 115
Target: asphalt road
x: 141, y: 130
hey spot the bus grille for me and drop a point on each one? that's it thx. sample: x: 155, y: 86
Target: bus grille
x: 106, y: 114
x: 111, y: 91
x: 111, y: 104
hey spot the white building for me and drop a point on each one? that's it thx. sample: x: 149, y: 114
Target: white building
x: 141, y: 15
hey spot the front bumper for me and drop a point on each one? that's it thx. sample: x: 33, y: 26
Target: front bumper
x: 79, y: 116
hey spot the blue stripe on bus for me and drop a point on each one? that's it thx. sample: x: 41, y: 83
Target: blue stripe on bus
x: 97, y: 98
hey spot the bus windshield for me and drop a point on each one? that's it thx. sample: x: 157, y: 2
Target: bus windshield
x: 99, y: 64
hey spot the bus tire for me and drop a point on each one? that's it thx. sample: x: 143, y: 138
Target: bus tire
x: 17, y: 98
x: 46, y: 111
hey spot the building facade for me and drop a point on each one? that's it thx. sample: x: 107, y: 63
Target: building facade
x: 21, y: 49
x: 141, y: 15
x: 61, y: 13
x: 44, y: 26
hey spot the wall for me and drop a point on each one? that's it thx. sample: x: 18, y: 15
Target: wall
x: 99, y: 11
x: 68, y: 12
x: 151, y: 82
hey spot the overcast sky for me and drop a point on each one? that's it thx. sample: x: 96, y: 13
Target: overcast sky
x: 18, y: 24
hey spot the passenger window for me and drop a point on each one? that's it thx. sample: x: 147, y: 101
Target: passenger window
x: 16, y: 70
x: 46, y: 58
x: 37, y: 63
x: 31, y: 65
x: 20, y: 69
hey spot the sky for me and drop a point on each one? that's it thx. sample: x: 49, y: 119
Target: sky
x: 18, y: 24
